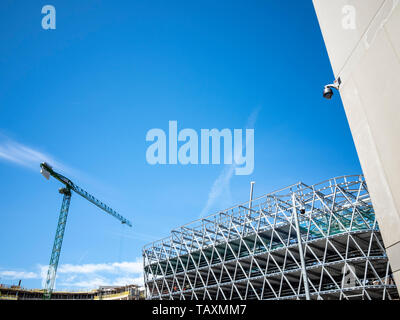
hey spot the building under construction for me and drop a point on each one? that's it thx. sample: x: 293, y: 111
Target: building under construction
x: 128, y: 292
x: 251, y: 251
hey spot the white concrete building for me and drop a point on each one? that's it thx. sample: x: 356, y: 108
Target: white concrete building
x: 362, y: 38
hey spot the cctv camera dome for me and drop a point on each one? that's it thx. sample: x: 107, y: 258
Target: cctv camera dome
x: 328, y: 93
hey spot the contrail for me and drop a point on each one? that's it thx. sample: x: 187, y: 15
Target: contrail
x: 222, y: 184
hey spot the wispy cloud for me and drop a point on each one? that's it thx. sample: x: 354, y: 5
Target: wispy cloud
x: 28, y: 157
x: 221, y: 186
x: 93, y: 275
x: 84, y: 276
x: 14, y: 275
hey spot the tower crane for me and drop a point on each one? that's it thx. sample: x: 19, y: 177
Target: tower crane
x: 66, y: 191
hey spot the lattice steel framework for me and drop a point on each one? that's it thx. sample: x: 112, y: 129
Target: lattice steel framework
x: 251, y: 251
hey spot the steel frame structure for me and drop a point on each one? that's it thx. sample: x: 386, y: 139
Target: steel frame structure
x: 253, y: 253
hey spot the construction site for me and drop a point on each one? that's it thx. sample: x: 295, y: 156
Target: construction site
x: 16, y: 292
x: 319, y: 242
x: 333, y: 240
x: 129, y: 292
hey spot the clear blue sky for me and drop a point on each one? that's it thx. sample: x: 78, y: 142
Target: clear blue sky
x: 86, y: 94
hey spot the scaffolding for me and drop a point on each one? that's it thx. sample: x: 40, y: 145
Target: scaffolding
x: 253, y: 253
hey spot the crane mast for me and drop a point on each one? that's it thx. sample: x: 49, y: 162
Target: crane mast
x: 47, y: 171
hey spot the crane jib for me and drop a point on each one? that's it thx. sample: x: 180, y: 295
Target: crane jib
x: 84, y: 193
x: 100, y: 204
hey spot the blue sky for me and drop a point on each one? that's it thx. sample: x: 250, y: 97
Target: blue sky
x: 83, y: 97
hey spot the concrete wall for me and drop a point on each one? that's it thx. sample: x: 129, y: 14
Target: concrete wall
x: 363, y: 42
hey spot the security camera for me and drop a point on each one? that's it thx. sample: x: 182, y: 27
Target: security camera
x: 328, y: 92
